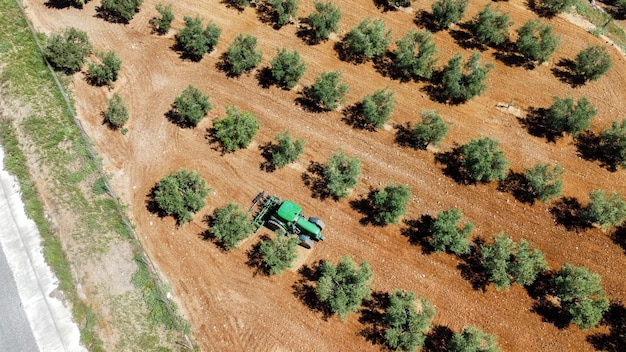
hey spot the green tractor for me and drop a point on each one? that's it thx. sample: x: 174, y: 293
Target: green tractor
x: 285, y: 217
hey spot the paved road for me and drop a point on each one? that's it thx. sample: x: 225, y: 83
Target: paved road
x: 31, y: 319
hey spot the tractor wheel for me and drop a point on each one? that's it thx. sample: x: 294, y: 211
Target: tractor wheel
x: 276, y: 227
x: 305, y: 242
x: 318, y: 222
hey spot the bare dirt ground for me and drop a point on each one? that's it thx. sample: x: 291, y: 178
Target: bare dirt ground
x: 233, y: 308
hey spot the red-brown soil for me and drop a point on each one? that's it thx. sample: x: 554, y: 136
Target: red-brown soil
x: 232, y: 308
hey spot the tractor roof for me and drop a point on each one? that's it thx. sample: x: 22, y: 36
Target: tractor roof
x: 289, y: 210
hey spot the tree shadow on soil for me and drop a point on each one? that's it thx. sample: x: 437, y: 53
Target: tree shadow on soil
x: 185, y: 55
x: 307, y: 34
x: 267, y: 15
x: 507, y: 54
x: 373, y: 317
x: 451, y: 161
x: 265, y: 78
x: 437, y: 339
x: 517, y: 185
x: 619, y: 237
x: 588, y: 146
x: 232, y: 4
x: 364, y: 206
x: 267, y: 152
x: 419, y: 232
x: 174, y: 117
x: 542, y: 291
x: 566, y: 212
x: 61, y: 4
x: 207, y: 235
x: 537, y: 125
x: 307, y: 103
x: 472, y: 269
x: 224, y: 65
x: 386, y: 67
x: 109, y: 16
x: 425, y: 19
x: 304, y: 289
x: 464, y: 38
x: 346, y: 55
x: 564, y: 71
x: 353, y: 116
x: 152, y: 205
x: 255, y: 259
x: 405, y: 138
x: 615, y: 340
x: 313, y: 178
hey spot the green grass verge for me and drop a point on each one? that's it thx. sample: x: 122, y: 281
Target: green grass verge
x: 604, y: 23
x: 52, y: 135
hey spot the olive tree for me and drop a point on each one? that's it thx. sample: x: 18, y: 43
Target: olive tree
x: 190, y: 107
x: 287, y: 67
x: 545, y: 183
x: 236, y: 130
x: 592, y: 63
x: 328, y: 90
x: 324, y: 20
x: 472, y: 339
x: 368, y: 40
x: 461, y: 82
x: 104, y: 72
x: 120, y: 10
x: 116, y: 113
x: 447, y: 12
x: 389, y: 203
x: 581, y: 295
x: 341, y: 173
x: 553, y: 7
x: 483, y: 161
x: 194, y: 40
x: 490, y: 27
x: 377, y: 107
x: 66, y: 50
x: 536, y: 41
x: 343, y: 287
x: 604, y: 211
x: 243, y: 55
x: 613, y: 144
x: 286, y: 151
x: 163, y: 24
x: 180, y: 194
x: 414, y: 55
x: 430, y: 130
x: 284, y: 10
x: 406, y: 326
x: 506, y: 262
x: 564, y: 116
x: 230, y: 224
x: 447, y: 235
x: 278, y: 254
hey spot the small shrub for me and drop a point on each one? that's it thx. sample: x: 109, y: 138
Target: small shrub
x: 536, y: 41
x: 236, y: 130
x: 377, y: 107
x: 242, y: 54
x: 543, y: 183
x: 430, y: 130
x: 195, y: 41
x: 163, y: 24
x: 368, y: 40
x: 563, y: 116
x: 342, y: 288
x: 447, y: 235
x: 67, y: 49
x: 180, y: 194
x: 284, y: 10
x: 406, y: 327
x: 278, y: 254
x: 554, y: 7
x: 106, y: 71
x: 120, y: 10
x: 613, y: 144
x: 414, y: 56
x: 341, y: 173
x: 328, y: 91
x: 592, y: 63
x: 473, y: 339
x: 191, y: 106
x: 604, y: 211
x: 231, y: 225
x: 490, y: 27
x: 324, y: 20
x: 389, y: 203
x: 286, y: 151
x: 461, y: 82
x: 483, y: 161
x: 287, y: 68
x: 447, y: 12
x: 116, y: 113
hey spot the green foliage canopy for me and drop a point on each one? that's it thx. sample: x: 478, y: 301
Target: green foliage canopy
x: 581, y: 295
x: 279, y: 253
x: 191, y: 107
x: 447, y: 12
x: 284, y: 10
x: 116, y: 113
x: 324, y: 20
x: 389, y: 203
x: 243, y: 55
x: 490, y: 27
x: 564, y: 116
x: 414, y: 55
x: 377, y: 107
x: 545, y: 183
x: 604, y: 211
x: 236, y: 130
x: 66, y: 50
x: 483, y: 161
x: 406, y: 327
x: 287, y: 67
x: 613, y: 144
x: 341, y: 173
x: 230, y: 225
x: 327, y: 91
x: 106, y: 71
x: 286, y: 151
x: 447, y: 235
x: 461, y: 82
x: 368, y: 40
x: 430, y: 130
x: 473, y: 339
x: 196, y: 41
x: 121, y: 10
x: 342, y: 288
x: 163, y: 24
x: 592, y: 63
x: 180, y: 194
x: 536, y: 41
